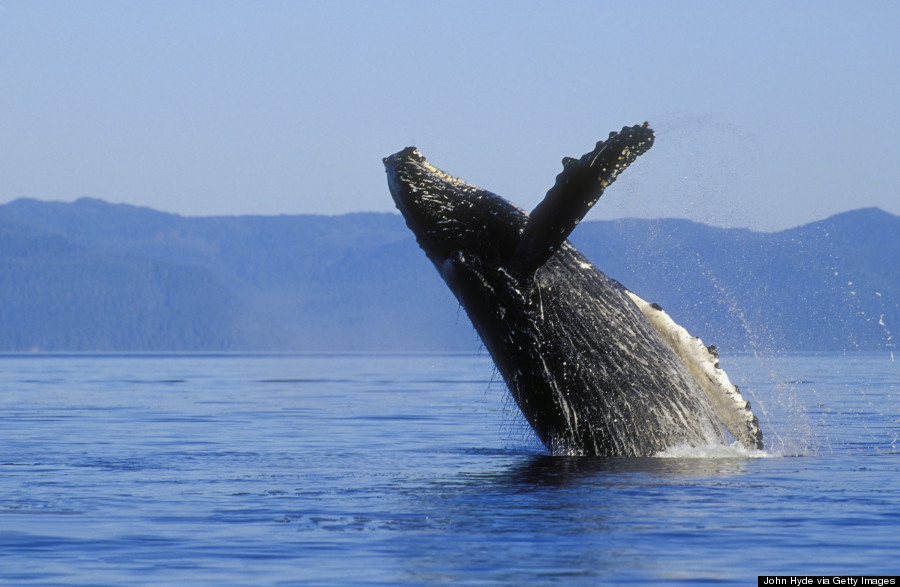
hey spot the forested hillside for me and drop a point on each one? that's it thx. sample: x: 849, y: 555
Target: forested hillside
x: 92, y: 276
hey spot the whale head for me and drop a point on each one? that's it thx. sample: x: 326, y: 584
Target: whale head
x: 469, y: 234
x: 458, y: 225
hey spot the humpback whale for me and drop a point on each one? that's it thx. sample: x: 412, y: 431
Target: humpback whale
x: 595, y: 369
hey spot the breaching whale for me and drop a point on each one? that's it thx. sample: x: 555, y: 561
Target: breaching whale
x: 594, y: 369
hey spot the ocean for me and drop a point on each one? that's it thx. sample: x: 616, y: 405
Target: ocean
x: 366, y: 469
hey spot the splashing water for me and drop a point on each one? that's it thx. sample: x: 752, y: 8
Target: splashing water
x: 713, y: 451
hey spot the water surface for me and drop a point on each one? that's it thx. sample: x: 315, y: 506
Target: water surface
x: 413, y: 469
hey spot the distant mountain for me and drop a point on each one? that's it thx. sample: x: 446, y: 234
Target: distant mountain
x: 93, y: 276
x: 830, y: 285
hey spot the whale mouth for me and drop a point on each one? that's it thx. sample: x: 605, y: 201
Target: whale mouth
x: 437, y: 207
x: 400, y: 168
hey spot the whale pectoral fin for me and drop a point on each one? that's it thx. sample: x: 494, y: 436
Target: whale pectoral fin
x: 577, y: 189
x: 732, y: 410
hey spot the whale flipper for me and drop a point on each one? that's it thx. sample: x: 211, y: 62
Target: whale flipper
x: 703, y: 362
x: 578, y: 187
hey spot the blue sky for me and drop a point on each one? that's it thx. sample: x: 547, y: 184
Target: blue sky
x: 768, y: 114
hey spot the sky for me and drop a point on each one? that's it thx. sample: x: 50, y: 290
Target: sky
x: 768, y: 115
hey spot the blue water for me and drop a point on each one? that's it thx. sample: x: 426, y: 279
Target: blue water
x: 364, y: 469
